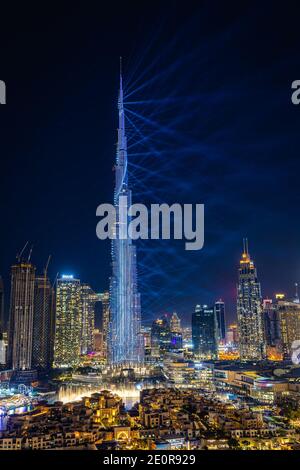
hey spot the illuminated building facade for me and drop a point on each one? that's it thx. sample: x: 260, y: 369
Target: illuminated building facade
x: 125, y: 339
x: 21, y: 315
x: 1, y: 308
x: 175, y: 323
x: 88, y: 301
x: 160, y: 337
x: 2, y: 343
x: 2, y: 352
x: 232, y: 337
x: 43, y: 324
x: 205, y: 332
x: 289, y: 318
x: 178, y: 369
x: 68, y: 325
x: 146, y: 332
x: 220, y: 316
x: 271, y: 323
x: 176, y: 343
x: 104, y: 298
x: 98, y: 341
x: 249, y: 310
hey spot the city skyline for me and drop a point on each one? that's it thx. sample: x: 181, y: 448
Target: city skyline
x: 222, y: 132
x: 186, y: 318
x: 53, y: 325
x: 170, y: 325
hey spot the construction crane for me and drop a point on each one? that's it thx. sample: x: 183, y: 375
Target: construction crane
x: 21, y: 252
x: 30, y: 253
x: 47, y: 264
x: 55, y: 280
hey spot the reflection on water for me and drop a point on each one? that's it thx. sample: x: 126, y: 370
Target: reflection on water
x: 68, y: 393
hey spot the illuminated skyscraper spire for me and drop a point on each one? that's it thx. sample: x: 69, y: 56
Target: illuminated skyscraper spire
x: 249, y: 310
x: 125, y: 339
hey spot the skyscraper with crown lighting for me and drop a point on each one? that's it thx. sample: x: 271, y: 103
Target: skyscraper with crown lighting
x: 125, y: 338
x: 249, y: 310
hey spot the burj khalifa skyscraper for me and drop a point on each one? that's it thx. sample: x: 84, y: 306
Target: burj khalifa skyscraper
x: 125, y: 339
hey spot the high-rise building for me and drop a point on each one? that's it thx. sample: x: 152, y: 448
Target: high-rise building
x: 175, y: 323
x: 104, y: 298
x: 43, y: 324
x: 289, y: 319
x: 271, y: 323
x: 98, y: 341
x: 2, y: 352
x: 220, y: 315
x: 88, y: 301
x: 126, y: 341
x: 68, y: 324
x: 272, y: 330
x: 205, y: 332
x: 160, y: 337
x: 176, y: 343
x: 146, y: 332
x: 4, y: 348
x: 2, y: 327
x: 232, y: 337
x: 21, y: 316
x: 249, y: 310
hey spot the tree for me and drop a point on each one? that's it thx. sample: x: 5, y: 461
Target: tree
x: 234, y: 443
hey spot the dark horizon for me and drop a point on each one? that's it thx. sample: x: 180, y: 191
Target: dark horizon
x: 212, y: 94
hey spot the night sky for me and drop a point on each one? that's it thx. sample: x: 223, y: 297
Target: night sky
x: 210, y: 120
